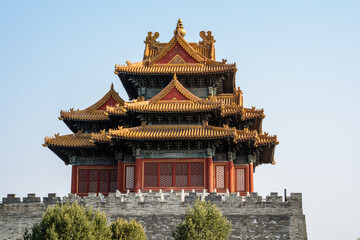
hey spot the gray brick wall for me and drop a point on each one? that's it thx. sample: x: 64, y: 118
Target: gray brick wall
x: 253, y: 217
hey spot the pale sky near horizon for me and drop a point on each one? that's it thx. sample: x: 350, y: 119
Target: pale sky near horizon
x: 299, y: 60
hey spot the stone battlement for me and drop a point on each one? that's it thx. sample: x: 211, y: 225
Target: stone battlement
x: 159, y: 212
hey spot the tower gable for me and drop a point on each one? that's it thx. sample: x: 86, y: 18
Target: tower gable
x: 111, y: 102
x: 174, y: 94
x: 174, y: 91
x: 177, y: 54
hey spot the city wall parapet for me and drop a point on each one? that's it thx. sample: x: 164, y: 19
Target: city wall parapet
x: 252, y: 216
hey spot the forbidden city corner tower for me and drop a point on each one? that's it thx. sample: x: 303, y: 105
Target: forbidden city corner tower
x: 185, y: 126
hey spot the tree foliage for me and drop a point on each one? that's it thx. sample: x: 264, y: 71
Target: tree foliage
x: 74, y: 222
x: 203, y: 221
x: 124, y: 230
x: 70, y: 222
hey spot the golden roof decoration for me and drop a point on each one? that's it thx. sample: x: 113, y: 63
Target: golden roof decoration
x: 207, y: 37
x: 234, y: 99
x: 157, y: 104
x: 77, y: 140
x: 180, y: 28
x: 152, y: 38
x: 154, y: 51
x: 118, y: 110
x: 246, y: 113
x: 263, y: 139
x: 93, y: 113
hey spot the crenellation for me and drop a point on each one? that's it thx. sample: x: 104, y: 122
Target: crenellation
x: 214, y: 198
x: 11, y: 198
x: 156, y: 197
x: 31, y: 198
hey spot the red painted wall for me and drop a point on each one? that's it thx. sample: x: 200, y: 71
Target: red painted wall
x: 174, y: 93
x: 177, y: 49
x: 110, y: 102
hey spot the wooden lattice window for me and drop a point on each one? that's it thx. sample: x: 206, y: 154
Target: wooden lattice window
x: 168, y: 145
x: 152, y: 82
x: 178, y: 145
x: 166, y: 172
x: 150, y: 175
x: 174, y: 174
x: 181, y: 173
x: 113, y: 180
x: 201, y: 82
x: 93, y: 181
x: 240, y: 179
x: 104, y: 181
x: 189, y: 119
x: 220, y: 177
x: 83, y: 181
x: 129, y: 177
x: 97, y: 180
x: 197, y: 174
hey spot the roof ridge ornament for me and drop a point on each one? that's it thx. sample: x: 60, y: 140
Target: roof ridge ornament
x: 180, y: 28
x: 152, y: 38
x: 207, y: 38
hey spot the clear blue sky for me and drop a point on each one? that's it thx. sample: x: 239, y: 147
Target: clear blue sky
x: 299, y: 60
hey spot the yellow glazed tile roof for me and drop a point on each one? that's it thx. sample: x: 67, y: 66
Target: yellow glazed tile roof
x: 92, y: 113
x: 85, y: 115
x: 148, y: 132
x: 246, y: 113
x: 156, y: 104
x: 265, y: 139
x: 150, y: 66
x: 77, y: 140
x: 184, y: 132
x: 171, y: 69
x: 172, y: 107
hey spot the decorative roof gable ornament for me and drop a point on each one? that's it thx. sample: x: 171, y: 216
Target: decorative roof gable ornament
x: 152, y: 38
x: 207, y: 38
x: 180, y: 28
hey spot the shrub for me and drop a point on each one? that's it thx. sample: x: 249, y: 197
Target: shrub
x: 70, y: 222
x: 124, y: 230
x: 203, y: 221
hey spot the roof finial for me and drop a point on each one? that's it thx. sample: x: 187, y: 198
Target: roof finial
x: 112, y: 86
x: 175, y: 78
x: 180, y: 28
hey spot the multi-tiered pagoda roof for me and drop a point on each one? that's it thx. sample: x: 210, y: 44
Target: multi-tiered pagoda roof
x: 184, y: 128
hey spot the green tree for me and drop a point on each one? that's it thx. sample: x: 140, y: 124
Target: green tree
x: 203, y: 221
x: 124, y: 230
x: 70, y: 222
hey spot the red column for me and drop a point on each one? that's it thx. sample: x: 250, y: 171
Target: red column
x: 251, y: 177
x: 138, y: 174
x: 247, y: 178
x: 210, y: 174
x: 73, y: 179
x: 120, y: 176
x: 231, y: 176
